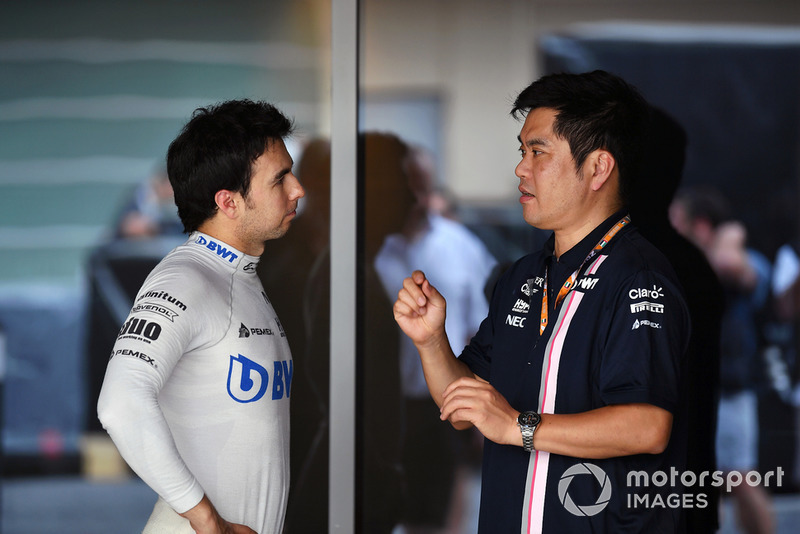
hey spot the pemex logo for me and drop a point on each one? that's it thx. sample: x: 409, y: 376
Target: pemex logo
x: 585, y: 510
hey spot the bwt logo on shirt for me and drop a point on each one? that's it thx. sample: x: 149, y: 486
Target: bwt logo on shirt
x: 249, y: 381
x: 221, y: 251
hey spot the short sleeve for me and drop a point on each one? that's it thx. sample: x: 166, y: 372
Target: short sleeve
x: 646, y: 343
x: 477, y: 353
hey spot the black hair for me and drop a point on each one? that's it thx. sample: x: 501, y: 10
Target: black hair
x: 216, y: 149
x: 594, y: 110
x: 704, y: 201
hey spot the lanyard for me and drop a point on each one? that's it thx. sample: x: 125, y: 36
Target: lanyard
x: 573, y: 278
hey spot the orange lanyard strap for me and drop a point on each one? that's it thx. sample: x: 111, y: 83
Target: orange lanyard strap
x: 573, y: 278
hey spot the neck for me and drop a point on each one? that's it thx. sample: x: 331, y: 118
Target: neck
x: 567, y: 238
x: 220, y: 231
x: 415, y: 224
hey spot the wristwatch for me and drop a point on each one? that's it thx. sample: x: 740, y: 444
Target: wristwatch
x: 527, y: 423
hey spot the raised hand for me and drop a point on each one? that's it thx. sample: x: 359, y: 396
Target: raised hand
x: 420, y: 310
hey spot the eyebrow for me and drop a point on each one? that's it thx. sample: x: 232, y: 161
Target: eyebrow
x: 283, y: 172
x: 534, y: 141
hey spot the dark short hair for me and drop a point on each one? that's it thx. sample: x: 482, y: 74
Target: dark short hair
x: 215, y: 150
x: 594, y: 110
x: 704, y: 201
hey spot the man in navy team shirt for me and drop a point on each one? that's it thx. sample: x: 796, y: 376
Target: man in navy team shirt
x: 574, y: 378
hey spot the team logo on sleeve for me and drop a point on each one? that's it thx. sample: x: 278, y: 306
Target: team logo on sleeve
x: 140, y: 330
x: 644, y: 322
x: 135, y: 354
x: 157, y: 309
x: 646, y: 305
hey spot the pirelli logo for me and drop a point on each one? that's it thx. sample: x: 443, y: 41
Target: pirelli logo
x: 647, y: 306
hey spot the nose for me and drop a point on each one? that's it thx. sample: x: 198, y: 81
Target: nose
x: 297, y: 191
x: 521, y: 170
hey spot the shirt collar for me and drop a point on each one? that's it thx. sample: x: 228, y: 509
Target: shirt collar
x: 220, y: 251
x: 574, y: 257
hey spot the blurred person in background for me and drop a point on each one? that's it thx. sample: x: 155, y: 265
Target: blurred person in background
x: 579, y: 361
x: 388, y: 200
x: 651, y: 196
x: 196, y: 393
x: 150, y: 211
x: 702, y: 215
x: 295, y: 272
x: 458, y: 263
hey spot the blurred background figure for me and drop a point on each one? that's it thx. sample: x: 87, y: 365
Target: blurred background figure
x: 702, y: 215
x: 388, y: 203
x: 150, y: 211
x: 295, y: 272
x: 437, y: 460
x: 664, y: 157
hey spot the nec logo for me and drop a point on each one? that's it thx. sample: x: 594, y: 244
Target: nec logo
x: 249, y: 381
x: 221, y: 251
x: 515, y: 320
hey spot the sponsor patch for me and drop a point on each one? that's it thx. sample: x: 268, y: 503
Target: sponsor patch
x: 135, y: 354
x: 644, y: 322
x: 654, y: 307
x: 521, y: 306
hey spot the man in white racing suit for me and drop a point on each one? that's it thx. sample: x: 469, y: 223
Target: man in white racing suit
x: 196, y: 393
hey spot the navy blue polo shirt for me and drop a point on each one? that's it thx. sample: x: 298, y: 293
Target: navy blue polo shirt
x: 619, y: 336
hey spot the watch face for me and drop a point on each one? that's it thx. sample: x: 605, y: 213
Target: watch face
x: 529, y: 418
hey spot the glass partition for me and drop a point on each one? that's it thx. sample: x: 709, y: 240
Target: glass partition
x: 439, y: 78
x: 90, y: 96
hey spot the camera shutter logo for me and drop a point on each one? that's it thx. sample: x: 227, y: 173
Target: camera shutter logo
x: 588, y: 509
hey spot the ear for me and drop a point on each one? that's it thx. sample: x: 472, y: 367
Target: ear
x: 228, y: 203
x: 604, y: 166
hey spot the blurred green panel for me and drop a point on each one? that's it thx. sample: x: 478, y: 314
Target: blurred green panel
x: 163, y: 79
x: 29, y: 265
x: 127, y: 19
x: 59, y: 138
x: 83, y: 204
